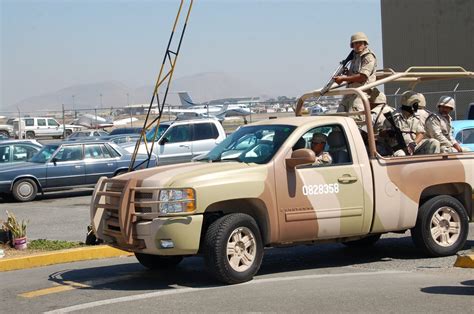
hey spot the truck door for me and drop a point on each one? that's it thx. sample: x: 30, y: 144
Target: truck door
x: 321, y: 200
x: 175, y: 145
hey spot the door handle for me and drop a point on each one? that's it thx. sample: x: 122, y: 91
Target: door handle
x: 78, y: 167
x: 347, y: 178
x: 185, y: 146
x: 110, y: 164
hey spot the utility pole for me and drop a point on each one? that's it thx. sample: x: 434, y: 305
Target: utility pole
x: 100, y: 101
x: 74, y: 107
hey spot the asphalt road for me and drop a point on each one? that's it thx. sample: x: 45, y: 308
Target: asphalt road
x: 390, y: 277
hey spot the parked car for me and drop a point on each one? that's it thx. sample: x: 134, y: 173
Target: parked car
x: 34, y: 127
x: 125, y: 131
x: 65, y: 165
x: 6, y: 131
x: 463, y: 132
x: 85, y: 134
x: 3, y: 137
x: 180, y: 140
x: 17, y: 151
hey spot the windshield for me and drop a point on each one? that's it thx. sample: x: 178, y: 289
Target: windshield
x: 251, y: 144
x: 44, y: 154
x: 161, y: 129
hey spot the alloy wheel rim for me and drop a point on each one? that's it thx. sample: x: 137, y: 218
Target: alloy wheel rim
x: 445, y: 226
x: 241, y: 249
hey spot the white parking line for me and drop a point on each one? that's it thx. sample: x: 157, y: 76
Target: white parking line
x: 186, y: 290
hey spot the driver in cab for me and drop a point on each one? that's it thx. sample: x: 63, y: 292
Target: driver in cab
x: 318, y: 142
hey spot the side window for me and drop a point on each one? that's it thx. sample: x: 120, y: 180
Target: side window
x: 22, y: 152
x: 4, y: 154
x: 112, y: 151
x: 69, y: 153
x: 179, y: 133
x: 105, y: 151
x: 93, y: 151
x: 329, y: 143
x: 29, y: 122
x: 52, y: 122
x: 205, y: 131
x: 41, y: 122
x: 96, y: 133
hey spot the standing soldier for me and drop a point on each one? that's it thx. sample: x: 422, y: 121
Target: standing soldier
x: 412, y: 131
x: 438, y: 126
x: 361, y: 72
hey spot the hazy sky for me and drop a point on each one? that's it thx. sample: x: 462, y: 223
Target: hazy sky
x: 287, y: 46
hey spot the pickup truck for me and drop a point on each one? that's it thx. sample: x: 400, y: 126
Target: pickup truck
x: 262, y: 188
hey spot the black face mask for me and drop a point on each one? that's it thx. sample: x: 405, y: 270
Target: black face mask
x: 408, y: 109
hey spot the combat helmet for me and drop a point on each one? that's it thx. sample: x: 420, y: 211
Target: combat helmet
x: 447, y: 101
x: 359, y: 36
x: 377, y: 97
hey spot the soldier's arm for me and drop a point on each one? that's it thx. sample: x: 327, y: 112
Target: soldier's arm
x: 433, y: 127
x: 367, y: 68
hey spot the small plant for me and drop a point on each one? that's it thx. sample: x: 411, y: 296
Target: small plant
x: 17, y: 229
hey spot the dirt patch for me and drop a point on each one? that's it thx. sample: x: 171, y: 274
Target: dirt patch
x: 12, y: 252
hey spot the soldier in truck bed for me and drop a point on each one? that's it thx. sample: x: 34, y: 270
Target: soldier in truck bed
x: 361, y: 72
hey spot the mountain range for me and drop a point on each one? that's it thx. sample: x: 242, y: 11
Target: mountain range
x: 202, y: 87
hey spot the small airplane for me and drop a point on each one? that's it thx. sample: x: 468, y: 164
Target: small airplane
x: 207, y: 110
x: 93, y: 122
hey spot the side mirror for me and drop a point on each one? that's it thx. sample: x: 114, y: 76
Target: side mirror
x: 163, y: 141
x: 300, y: 157
x: 54, y: 160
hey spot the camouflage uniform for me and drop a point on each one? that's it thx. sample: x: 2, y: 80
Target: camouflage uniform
x: 439, y: 127
x: 410, y: 127
x: 363, y: 63
x: 422, y: 115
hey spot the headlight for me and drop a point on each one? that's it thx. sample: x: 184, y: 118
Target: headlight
x: 177, y: 201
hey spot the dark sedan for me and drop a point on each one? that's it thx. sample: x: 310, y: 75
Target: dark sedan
x: 65, y: 165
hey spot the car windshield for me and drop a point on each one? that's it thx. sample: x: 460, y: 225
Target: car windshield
x: 250, y: 144
x: 161, y: 129
x: 44, y: 154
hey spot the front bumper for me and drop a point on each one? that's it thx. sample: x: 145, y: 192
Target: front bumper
x: 122, y: 219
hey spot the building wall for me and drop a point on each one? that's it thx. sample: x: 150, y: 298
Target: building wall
x: 430, y: 32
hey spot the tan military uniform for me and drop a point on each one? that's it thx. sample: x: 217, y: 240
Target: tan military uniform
x: 378, y: 118
x: 439, y: 127
x: 423, y: 114
x: 323, y: 159
x: 363, y: 63
x: 410, y: 126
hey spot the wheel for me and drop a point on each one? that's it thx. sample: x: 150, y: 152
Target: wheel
x: 25, y: 190
x: 233, y: 248
x: 367, y: 241
x: 68, y: 132
x: 442, y: 226
x: 120, y: 172
x: 157, y: 262
x: 30, y: 135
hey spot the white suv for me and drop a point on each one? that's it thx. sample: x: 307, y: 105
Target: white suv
x: 33, y: 127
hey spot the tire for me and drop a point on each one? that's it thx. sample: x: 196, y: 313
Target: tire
x: 30, y: 135
x: 445, y: 216
x: 227, y: 234
x: 157, y: 262
x: 120, y: 172
x: 364, y: 242
x: 25, y: 190
x: 68, y: 132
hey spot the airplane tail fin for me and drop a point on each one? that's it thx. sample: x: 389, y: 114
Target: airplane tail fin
x: 186, y: 100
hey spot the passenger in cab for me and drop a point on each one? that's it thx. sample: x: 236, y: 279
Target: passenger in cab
x: 318, y: 142
x: 438, y: 126
x: 412, y: 131
x: 361, y: 72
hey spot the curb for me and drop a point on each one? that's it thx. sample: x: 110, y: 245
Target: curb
x: 62, y: 256
x: 465, y: 260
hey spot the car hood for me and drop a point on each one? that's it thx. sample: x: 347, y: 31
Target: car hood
x: 192, y: 174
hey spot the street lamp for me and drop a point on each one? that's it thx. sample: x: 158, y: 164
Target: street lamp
x: 73, y: 106
x: 100, y: 101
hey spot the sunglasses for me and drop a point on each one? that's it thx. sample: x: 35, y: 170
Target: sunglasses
x: 314, y: 143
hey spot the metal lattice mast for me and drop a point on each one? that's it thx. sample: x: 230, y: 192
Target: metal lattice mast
x: 164, y: 79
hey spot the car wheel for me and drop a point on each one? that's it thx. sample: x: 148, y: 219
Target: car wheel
x: 68, y: 132
x: 367, y: 241
x: 120, y: 172
x: 30, y: 135
x: 441, y: 227
x: 25, y: 190
x: 157, y: 262
x: 233, y: 248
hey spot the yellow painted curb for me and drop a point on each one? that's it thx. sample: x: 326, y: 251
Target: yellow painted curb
x: 465, y: 260
x: 62, y: 256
